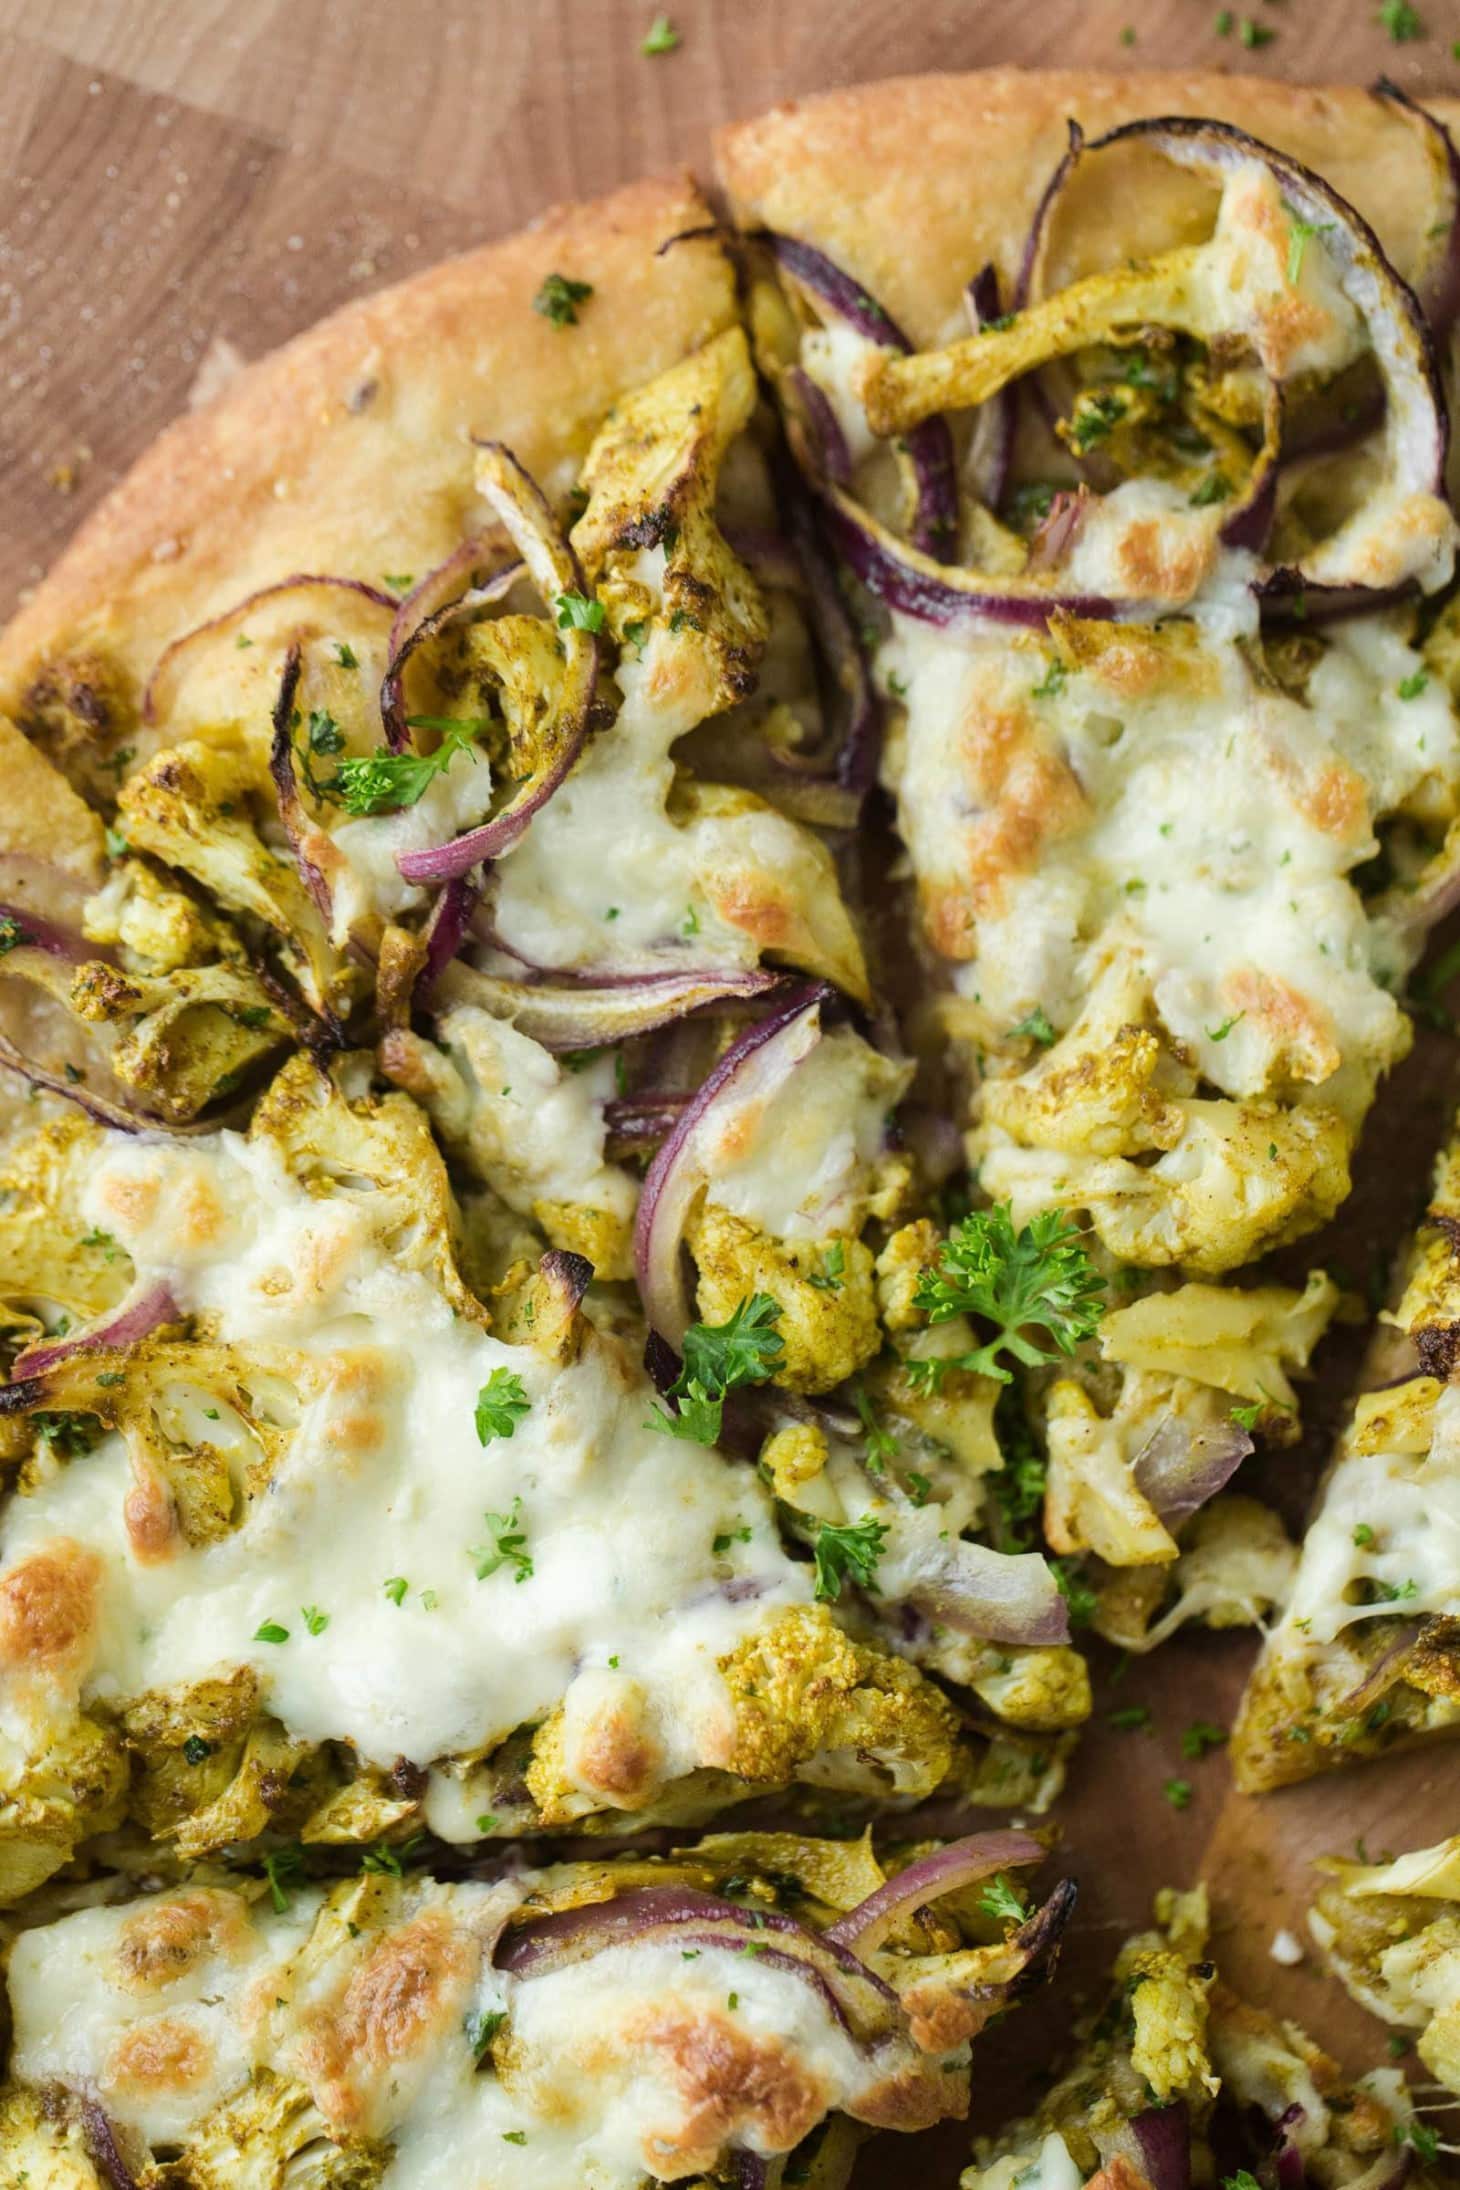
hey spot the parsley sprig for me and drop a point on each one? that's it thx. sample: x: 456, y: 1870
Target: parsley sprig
x: 717, y: 1358
x: 848, y: 1552
x: 1038, y: 1278
x: 383, y: 782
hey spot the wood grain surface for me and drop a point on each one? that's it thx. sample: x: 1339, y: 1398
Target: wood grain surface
x: 184, y: 183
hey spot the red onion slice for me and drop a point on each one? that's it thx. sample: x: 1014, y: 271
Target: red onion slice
x: 948, y: 1870
x: 300, y: 582
x: 142, y: 1311
x: 1163, y: 2134
x: 281, y: 768
x: 33, y: 933
x: 993, y: 450
x: 574, y: 1016
x: 446, y: 930
x: 918, y: 587
x: 763, y: 1058
x: 829, y: 451
x: 845, y: 674
x: 555, y: 570
x: 1001, y: 1596
x: 1179, y: 1468
x: 460, y: 608
x: 637, y: 1125
x: 1437, y: 283
x: 929, y: 444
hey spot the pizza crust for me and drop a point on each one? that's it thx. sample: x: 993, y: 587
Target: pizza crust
x: 349, y: 450
x: 914, y: 184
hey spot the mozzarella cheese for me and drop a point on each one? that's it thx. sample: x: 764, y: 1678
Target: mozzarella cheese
x: 384, y: 1480
x: 643, y: 2059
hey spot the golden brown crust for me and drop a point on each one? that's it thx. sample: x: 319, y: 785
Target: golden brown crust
x: 915, y: 184
x: 349, y: 450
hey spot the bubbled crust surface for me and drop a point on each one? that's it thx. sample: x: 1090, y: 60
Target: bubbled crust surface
x: 914, y: 184
x: 349, y: 449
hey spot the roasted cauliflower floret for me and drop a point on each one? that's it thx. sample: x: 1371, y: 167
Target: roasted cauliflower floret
x: 143, y: 912
x: 1168, y: 2010
x: 75, y: 1786
x: 801, y: 1688
x: 1391, y: 1933
x: 1234, y: 1569
x: 1242, y: 1178
x: 52, y: 1258
x: 272, y: 2133
x: 378, y: 1147
x: 201, y: 809
x: 1240, y: 1341
x: 43, y: 2146
x: 828, y: 1335
x: 648, y: 538
x: 526, y: 1126
x: 186, y: 1037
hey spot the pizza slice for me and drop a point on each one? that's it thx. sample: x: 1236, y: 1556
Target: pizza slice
x: 1391, y: 1932
x: 1168, y: 723
x: 1175, y: 2069
x: 629, y: 2022
x: 1363, y: 1658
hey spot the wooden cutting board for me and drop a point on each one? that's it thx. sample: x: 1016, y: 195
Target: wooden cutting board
x: 185, y: 183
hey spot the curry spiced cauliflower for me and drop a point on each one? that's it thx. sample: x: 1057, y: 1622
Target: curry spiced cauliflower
x: 1391, y: 1932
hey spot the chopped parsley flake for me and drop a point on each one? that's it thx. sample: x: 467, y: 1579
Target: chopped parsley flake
x: 481, y: 2028
x: 1052, y: 683
x: 1002, y: 1901
x: 389, y: 1861
x: 1410, y: 687
x: 271, y: 1632
x: 720, y: 1546
x: 662, y: 37
x: 1132, y: 1718
x: 196, y: 1750
x: 881, y: 1445
x: 1363, y: 1535
x: 1199, y: 1737
x: 283, y: 1868
x: 506, y: 1547
x: 12, y: 934
x: 345, y: 654
x: 1034, y: 1027
x: 1298, y: 236
x: 848, y: 1552
x: 314, y: 1620
x: 501, y: 1404
x: 828, y: 1279
x: 577, y: 613
x: 1249, y: 1413
x: 1403, y: 23
x: 1080, y: 1601
x: 559, y: 298
x: 1216, y: 487
x: 1220, y: 1033
x: 1254, y: 35
x: 1178, y: 1793
x: 396, y: 1588
x: 1425, y: 2141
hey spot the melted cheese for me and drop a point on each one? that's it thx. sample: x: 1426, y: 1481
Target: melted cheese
x: 795, y: 1160
x: 1408, y: 1507
x: 610, y: 876
x: 384, y: 1477
x: 641, y: 2058
x: 1203, y: 825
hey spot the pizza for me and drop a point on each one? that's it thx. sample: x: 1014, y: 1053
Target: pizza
x: 683, y: 907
